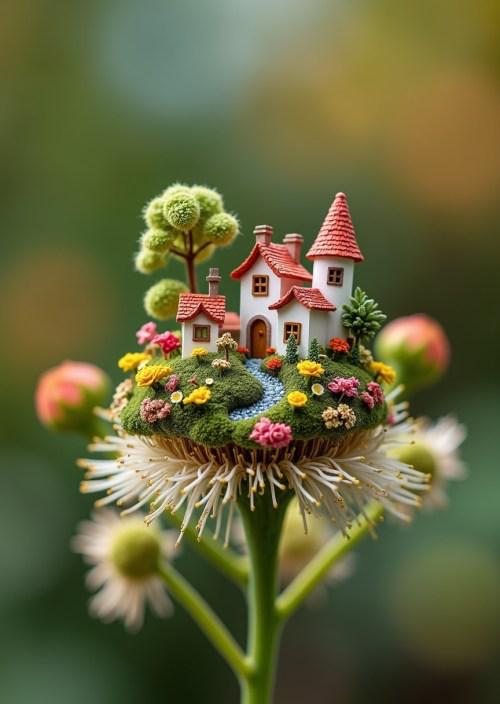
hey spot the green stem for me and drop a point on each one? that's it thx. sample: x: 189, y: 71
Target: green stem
x: 234, y: 566
x: 206, y: 618
x: 312, y: 574
x: 263, y: 532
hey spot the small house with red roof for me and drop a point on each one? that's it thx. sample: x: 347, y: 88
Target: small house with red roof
x: 267, y: 274
x: 201, y: 316
x: 303, y: 312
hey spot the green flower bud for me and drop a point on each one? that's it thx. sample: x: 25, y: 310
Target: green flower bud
x: 173, y: 190
x: 209, y: 200
x: 136, y: 550
x: 182, y: 211
x: 221, y: 228
x: 146, y: 262
x: 158, y: 240
x: 162, y: 299
x: 419, y: 456
x: 154, y: 216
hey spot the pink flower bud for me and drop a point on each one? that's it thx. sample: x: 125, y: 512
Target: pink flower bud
x: 67, y: 394
x: 417, y: 347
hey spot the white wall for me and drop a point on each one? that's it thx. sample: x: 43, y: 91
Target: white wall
x: 338, y: 295
x: 187, y: 335
x: 251, y: 305
x: 293, y: 312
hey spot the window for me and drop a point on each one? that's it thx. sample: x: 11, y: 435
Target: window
x: 260, y: 285
x: 335, y: 276
x: 201, y: 333
x: 291, y: 329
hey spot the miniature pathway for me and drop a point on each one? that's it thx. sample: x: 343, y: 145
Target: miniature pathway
x: 273, y: 392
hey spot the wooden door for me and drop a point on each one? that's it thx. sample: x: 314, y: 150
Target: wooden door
x: 258, y: 336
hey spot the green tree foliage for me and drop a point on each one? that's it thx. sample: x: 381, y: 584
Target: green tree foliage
x: 187, y: 222
x: 362, y: 316
x: 314, y: 350
x: 292, y: 354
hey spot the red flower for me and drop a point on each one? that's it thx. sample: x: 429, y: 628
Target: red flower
x: 270, y: 350
x: 243, y: 350
x: 274, y: 364
x: 338, y: 345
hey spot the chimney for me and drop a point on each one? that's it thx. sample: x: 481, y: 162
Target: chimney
x: 294, y: 243
x: 213, y: 279
x: 263, y: 234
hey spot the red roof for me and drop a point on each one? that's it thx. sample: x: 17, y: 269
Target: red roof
x: 231, y: 322
x: 193, y: 304
x: 278, y: 258
x: 311, y: 298
x: 336, y: 237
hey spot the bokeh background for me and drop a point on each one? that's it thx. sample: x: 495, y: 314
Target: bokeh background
x: 279, y: 105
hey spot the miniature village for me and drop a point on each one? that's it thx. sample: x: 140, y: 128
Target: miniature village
x: 290, y: 366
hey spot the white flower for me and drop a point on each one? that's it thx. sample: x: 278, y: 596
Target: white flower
x: 209, y: 381
x: 317, y: 389
x: 124, y: 554
x: 340, y: 478
x: 435, y: 451
x: 176, y: 397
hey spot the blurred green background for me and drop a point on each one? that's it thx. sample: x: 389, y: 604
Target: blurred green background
x: 279, y: 105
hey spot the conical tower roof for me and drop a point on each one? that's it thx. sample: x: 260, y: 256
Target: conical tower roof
x: 336, y: 237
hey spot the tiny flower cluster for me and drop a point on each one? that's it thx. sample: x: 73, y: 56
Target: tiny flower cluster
x: 270, y: 434
x: 172, y: 383
x: 274, y: 364
x: 132, y: 360
x: 342, y: 415
x: 339, y: 346
x: 198, y: 396
x: 121, y: 397
x: 167, y: 341
x: 154, y: 409
x: 345, y: 387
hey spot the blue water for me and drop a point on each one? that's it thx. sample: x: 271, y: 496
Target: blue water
x: 273, y: 392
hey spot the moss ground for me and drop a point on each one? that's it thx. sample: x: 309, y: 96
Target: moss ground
x: 209, y: 424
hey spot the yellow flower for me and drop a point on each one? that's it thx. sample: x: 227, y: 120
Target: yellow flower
x: 151, y: 374
x: 198, y: 396
x: 383, y: 372
x: 308, y: 368
x: 297, y: 399
x: 198, y: 352
x: 131, y: 360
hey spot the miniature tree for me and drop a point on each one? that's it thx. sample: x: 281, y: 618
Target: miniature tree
x: 362, y: 316
x: 226, y: 343
x: 314, y: 350
x: 292, y: 354
x: 187, y: 223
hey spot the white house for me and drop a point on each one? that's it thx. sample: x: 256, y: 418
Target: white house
x: 334, y: 253
x: 269, y: 271
x: 273, y: 300
x: 303, y: 312
x: 201, y: 316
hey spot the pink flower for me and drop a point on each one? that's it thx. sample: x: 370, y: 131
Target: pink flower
x: 270, y: 434
x: 167, y: 341
x: 146, y: 333
x: 375, y: 391
x: 66, y: 394
x: 193, y: 380
x: 172, y: 383
x: 154, y: 409
x: 369, y: 400
x: 346, y: 387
